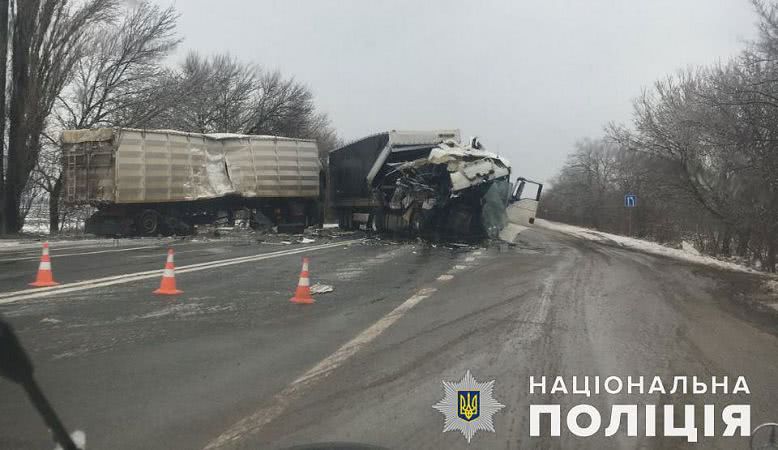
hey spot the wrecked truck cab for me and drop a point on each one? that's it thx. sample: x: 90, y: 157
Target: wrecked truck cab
x: 420, y: 184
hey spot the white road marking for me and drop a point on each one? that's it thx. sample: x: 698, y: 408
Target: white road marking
x: 178, y: 252
x: 357, y: 269
x: 16, y: 247
x: 55, y: 255
x: 293, y: 391
x: 26, y: 294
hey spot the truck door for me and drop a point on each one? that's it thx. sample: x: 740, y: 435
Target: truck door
x: 524, y: 200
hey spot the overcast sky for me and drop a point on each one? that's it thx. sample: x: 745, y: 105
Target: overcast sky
x: 529, y: 77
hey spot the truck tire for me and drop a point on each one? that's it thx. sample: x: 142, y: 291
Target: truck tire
x: 378, y: 220
x: 346, y: 220
x: 416, y: 225
x: 148, y: 222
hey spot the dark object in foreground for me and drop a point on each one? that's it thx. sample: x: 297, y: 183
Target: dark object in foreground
x: 15, y: 365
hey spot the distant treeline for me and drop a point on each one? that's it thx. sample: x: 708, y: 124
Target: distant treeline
x: 701, y: 155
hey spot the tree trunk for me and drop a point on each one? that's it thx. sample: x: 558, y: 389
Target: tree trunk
x: 726, y: 242
x: 742, y: 243
x: 54, y: 198
x: 18, y: 169
x: 3, y: 72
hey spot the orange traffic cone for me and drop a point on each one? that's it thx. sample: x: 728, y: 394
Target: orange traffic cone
x: 44, y: 277
x: 303, y: 292
x: 168, y: 284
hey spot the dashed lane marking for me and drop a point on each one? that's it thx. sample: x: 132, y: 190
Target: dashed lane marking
x: 253, y: 423
x: 280, y: 402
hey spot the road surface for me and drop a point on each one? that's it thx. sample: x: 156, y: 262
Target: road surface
x: 232, y: 364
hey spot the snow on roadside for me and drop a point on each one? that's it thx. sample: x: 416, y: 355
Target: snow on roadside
x: 684, y: 254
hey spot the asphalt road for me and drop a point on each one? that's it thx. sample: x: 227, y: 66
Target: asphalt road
x: 231, y: 363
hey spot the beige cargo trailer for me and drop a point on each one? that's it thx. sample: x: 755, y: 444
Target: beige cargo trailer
x: 144, y: 181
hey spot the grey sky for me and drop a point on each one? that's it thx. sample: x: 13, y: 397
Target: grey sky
x: 529, y: 77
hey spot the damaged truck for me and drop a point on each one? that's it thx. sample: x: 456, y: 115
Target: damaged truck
x: 421, y: 183
x: 152, y: 182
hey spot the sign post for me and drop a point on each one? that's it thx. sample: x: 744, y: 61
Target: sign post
x: 630, y: 202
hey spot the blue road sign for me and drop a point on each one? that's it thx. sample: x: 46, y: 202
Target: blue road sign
x: 630, y: 200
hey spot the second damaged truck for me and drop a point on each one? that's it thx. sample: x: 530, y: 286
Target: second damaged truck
x: 420, y: 183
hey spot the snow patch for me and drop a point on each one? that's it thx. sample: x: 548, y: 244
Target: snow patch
x: 688, y: 247
x: 644, y: 246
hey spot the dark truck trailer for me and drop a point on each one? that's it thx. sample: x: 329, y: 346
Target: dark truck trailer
x: 150, y: 182
x: 419, y: 183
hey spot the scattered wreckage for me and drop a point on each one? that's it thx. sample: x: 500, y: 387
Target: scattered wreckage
x: 424, y: 184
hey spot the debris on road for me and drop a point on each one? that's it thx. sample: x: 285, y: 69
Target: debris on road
x: 50, y: 320
x: 319, y: 288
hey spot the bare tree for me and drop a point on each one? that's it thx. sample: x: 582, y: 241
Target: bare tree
x: 219, y: 92
x: 226, y: 95
x: 48, y: 39
x: 286, y: 107
x: 121, y: 70
x: 118, y: 82
x: 702, y: 153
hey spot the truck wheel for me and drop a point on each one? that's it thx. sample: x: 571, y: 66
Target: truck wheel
x: 378, y: 220
x: 147, y: 223
x: 345, y: 220
x: 416, y: 224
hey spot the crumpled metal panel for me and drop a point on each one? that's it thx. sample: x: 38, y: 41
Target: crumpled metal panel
x: 167, y: 166
x: 467, y: 167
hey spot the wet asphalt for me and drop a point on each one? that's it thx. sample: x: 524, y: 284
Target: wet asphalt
x: 134, y: 370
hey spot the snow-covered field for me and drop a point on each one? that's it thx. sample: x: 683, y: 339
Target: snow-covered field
x: 686, y: 253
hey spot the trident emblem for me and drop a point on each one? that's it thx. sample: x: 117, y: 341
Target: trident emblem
x: 468, y: 405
